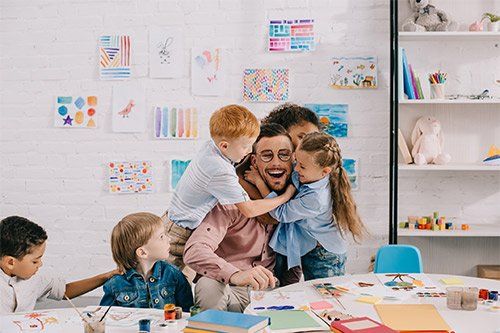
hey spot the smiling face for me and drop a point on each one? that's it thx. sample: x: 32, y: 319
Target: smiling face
x: 307, y: 168
x: 275, y: 172
x: 28, y: 265
x: 297, y: 132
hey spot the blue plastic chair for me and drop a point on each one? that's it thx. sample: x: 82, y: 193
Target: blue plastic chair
x: 398, y: 259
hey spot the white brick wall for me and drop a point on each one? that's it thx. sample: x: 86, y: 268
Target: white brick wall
x: 57, y: 177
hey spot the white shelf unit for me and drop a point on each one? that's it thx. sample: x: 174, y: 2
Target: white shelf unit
x: 476, y: 230
x: 449, y: 35
x: 448, y: 167
x: 495, y: 101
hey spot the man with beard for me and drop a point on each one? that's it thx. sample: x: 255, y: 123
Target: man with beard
x: 230, y: 252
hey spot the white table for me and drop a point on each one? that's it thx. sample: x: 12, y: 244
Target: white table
x: 481, y: 321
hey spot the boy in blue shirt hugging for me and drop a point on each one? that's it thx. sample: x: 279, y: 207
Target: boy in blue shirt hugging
x: 22, y: 246
x: 140, y: 246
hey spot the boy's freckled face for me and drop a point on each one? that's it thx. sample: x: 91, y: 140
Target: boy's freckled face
x: 238, y: 148
x: 159, y: 244
x: 29, y: 264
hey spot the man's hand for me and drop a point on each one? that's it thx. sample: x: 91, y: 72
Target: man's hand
x: 252, y: 175
x: 258, y: 277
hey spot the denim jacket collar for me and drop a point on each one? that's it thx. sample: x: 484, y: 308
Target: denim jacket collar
x: 156, y: 273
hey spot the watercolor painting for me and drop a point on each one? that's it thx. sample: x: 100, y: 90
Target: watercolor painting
x: 207, y: 72
x: 291, y: 35
x: 333, y: 117
x: 114, y: 57
x: 350, y: 165
x: 175, y: 122
x: 166, y: 47
x: 123, y: 317
x: 128, y: 108
x: 277, y: 300
x: 177, y: 168
x: 43, y: 321
x: 130, y: 177
x: 265, y: 85
x: 354, y: 73
x: 75, y: 112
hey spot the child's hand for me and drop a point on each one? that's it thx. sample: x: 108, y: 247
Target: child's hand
x: 290, y: 191
x: 252, y: 175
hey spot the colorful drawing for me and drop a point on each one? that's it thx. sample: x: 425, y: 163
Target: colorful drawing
x: 114, y: 53
x: 42, y: 321
x: 354, y: 73
x: 417, y: 283
x: 177, y: 168
x: 351, y: 167
x: 333, y: 117
x: 75, y: 112
x: 291, y: 35
x: 265, y: 85
x: 127, y: 113
x: 175, y: 122
x: 123, y: 317
x: 130, y: 177
x: 166, y: 52
x: 277, y: 300
x: 207, y: 72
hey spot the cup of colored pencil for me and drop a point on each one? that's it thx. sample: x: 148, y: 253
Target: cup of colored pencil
x: 437, y: 81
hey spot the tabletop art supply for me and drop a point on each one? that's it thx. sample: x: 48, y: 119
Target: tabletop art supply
x: 369, y: 299
x: 294, y: 321
x: 105, y: 313
x: 74, y: 307
x: 145, y: 325
x: 194, y: 310
x: 331, y: 315
x: 222, y: 321
x: 178, y: 312
x: 469, y: 298
x: 454, y: 298
x: 362, y: 325
x: 94, y: 325
x: 483, y: 294
x: 321, y: 305
x: 493, y: 295
x: 452, y: 281
x: 169, y: 312
x: 412, y: 317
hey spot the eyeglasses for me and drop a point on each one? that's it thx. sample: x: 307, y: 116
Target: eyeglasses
x: 268, y: 155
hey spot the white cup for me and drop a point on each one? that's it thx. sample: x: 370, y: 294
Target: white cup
x: 437, y: 91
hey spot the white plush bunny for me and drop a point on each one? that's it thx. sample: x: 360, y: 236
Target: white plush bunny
x: 427, y: 141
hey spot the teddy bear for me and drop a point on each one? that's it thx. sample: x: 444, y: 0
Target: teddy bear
x: 427, y: 141
x: 428, y: 18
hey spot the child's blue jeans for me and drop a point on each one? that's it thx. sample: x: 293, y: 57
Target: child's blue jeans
x: 319, y: 263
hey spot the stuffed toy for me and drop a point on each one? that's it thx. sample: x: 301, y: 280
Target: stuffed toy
x: 427, y: 141
x: 428, y: 18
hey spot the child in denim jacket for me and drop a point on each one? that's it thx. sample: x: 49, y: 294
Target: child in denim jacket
x: 140, y: 247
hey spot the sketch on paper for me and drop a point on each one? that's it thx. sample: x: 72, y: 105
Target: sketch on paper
x: 43, y: 321
x: 177, y: 168
x: 265, y: 85
x: 75, y: 111
x: 127, y: 112
x: 175, y: 122
x: 291, y: 35
x: 354, y: 73
x: 130, y: 177
x: 166, y: 52
x: 114, y: 57
x: 207, y: 72
x: 333, y: 117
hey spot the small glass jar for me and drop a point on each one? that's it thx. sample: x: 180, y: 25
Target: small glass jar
x: 454, y: 298
x: 469, y: 298
x: 93, y: 325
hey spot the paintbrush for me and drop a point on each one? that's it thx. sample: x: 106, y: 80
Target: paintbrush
x: 338, y: 301
x: 74, y: 307
x: 105, y: 313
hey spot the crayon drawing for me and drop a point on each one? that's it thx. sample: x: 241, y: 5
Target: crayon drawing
x: 175, y: 122
x: 75, y: 111
x: 354, y: 73
x: 128, y: 106
x: 177, y: 168
x: 42, y: 321
x: 166, y: 52
x: 207, y: 72
x: 114, y: 57
x: 265, y: 85
x: 291, y: 35
x: 333, y: 117
x: 130, y: 177
x: 351, y: 167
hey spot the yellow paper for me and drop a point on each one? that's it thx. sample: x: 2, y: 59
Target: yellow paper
x: 369, y: 299
x: 411, y: 317
x: 452, y: 280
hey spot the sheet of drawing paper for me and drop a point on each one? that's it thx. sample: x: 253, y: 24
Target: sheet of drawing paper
x: 207, y: 71
x: 114, y: 57
x: 166, y: 52
x: 75, y: 111
x: 128, y: 108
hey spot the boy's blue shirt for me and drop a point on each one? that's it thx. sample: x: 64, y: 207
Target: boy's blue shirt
x: 166, y: 285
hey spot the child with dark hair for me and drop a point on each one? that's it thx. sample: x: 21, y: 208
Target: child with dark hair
x: 22, y: 245
x: 297, y: 120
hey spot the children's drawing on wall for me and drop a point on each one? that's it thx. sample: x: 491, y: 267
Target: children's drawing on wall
x: 127, y: 112
x: 114, y: 57
x: 265, y: 85
x: 30, y: 322
x: 177, y: 168
x: 354, y: 73
x: 130, y: 177
x: 350, y: 165
x: 291, y: 35
x: 75, y: 111
x: 207, y: 72
x: 165, y: 52
x: 333, y: 117
x: 175, y: 122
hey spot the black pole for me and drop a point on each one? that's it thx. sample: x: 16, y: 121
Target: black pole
x: 393, y: 135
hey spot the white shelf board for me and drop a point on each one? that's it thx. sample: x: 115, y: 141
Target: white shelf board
x: 450, y: 101
x: 456, y: 35
x: 448, y: 167
x: 476, y: 230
